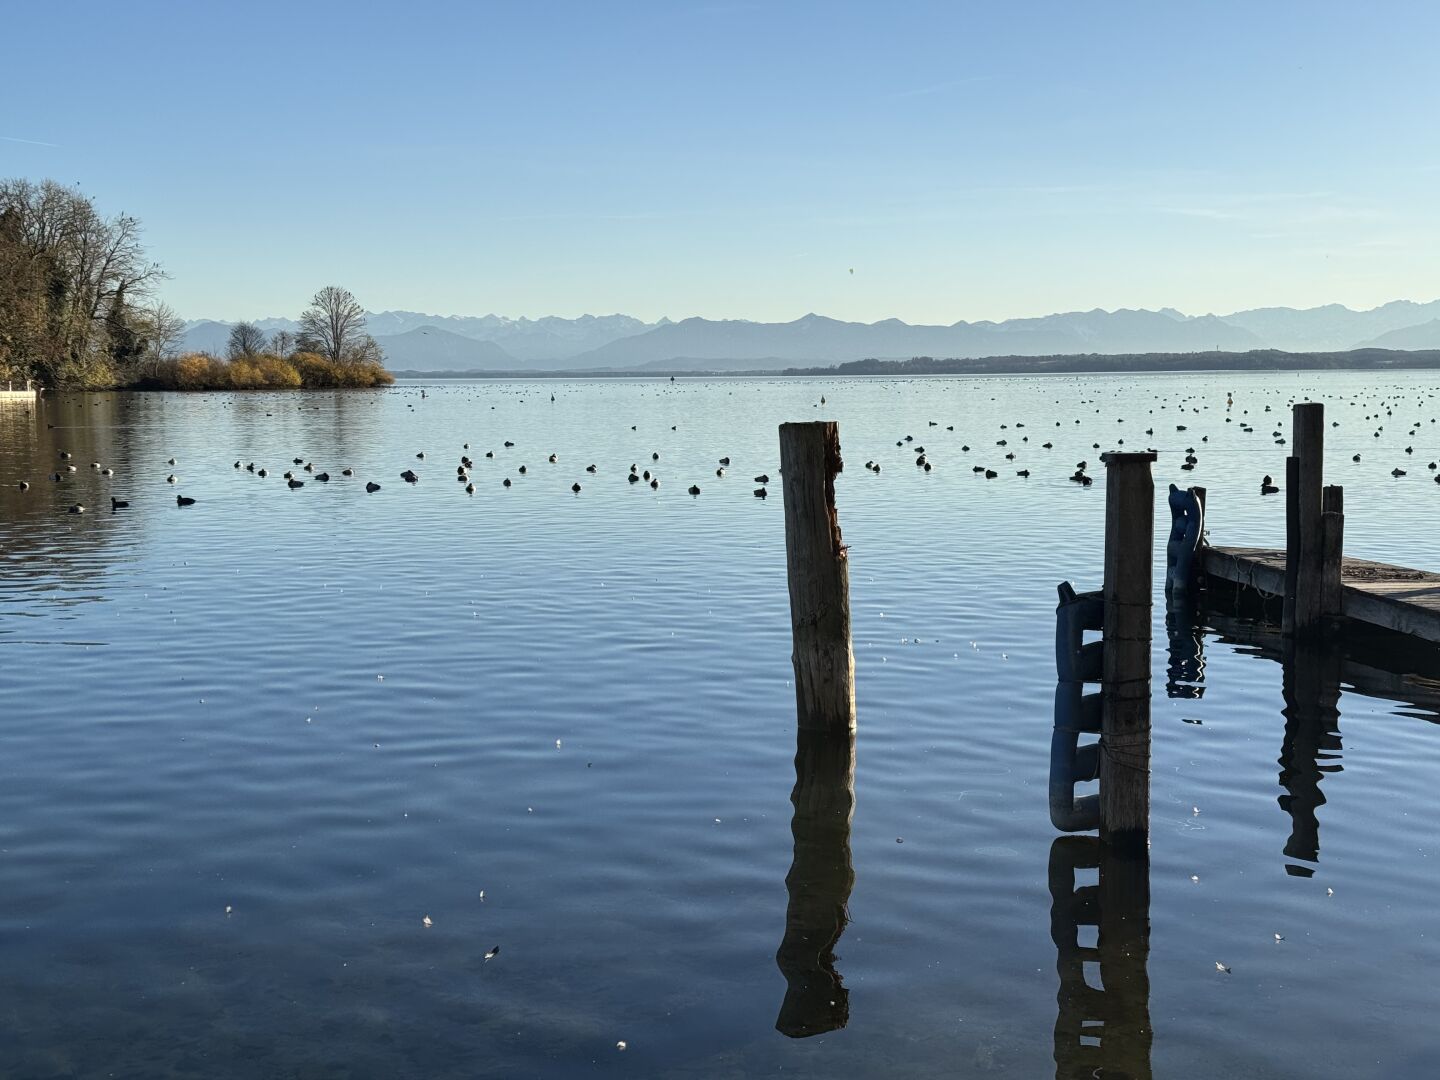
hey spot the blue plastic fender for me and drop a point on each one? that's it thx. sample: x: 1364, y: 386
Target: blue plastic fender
x: 1076, y: 661
x: 1076, y: 712
x: 1187, y: 527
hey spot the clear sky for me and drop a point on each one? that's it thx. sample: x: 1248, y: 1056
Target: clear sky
x: 738, y: 160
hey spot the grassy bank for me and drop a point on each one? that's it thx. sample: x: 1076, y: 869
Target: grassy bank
x: 299, y: 371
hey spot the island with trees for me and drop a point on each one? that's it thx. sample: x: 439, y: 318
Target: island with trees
x: 1369, y: 359
x: 78, y: 311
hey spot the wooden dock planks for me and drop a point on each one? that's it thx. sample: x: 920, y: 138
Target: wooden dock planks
x: 1394, y: 597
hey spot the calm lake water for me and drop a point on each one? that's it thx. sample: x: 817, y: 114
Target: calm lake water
x: 248, y: 746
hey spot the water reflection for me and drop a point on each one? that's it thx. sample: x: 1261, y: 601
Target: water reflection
x: 1185, y: 671
x: 338, y: 425
x: 1102, y: 1029
x: 819, y: 883
x: 1311, y: 687
x: 44, y: 545
x: 1365, y: 660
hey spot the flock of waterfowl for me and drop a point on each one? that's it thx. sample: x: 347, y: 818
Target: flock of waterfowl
x: 410, y: 476
x: 1013, y: 440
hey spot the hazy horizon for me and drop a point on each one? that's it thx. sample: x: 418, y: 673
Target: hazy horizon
x: 733, y: 160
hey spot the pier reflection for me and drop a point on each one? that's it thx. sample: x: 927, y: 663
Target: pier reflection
x: 1370, y: 661
x: 1185, y: 670
x: 819, y: 883
x: 1311, y: 688
x: 1102, y: 1028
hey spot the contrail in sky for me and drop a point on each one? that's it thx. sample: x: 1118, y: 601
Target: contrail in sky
x: 28, y: 142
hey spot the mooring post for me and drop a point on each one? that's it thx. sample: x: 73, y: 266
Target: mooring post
x: 819, y: 573
x: 1309, y: 431
x: 1332, y: 550
x: 1292, y: 543
x: 1125, y: 711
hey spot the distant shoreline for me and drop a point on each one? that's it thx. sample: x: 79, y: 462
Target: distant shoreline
x: 1067, y: 364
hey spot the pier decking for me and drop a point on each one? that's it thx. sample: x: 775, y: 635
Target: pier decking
x: 1393, y: 597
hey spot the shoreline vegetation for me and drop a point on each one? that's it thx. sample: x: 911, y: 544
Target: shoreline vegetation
x: 78, y: 312
x: 262, y: 371
x: 1065, y: 364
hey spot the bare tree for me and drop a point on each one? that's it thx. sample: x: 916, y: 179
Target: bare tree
x: 282, y: 343
x: 164, y: 330
x: 246, y: 340
x: 334, y: 326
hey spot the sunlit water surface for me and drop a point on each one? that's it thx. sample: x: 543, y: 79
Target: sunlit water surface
x: 248, y: 746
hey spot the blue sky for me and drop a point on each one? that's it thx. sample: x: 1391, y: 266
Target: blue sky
x: 738, y: 160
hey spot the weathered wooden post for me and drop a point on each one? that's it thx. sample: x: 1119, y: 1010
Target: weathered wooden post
x: 1292, y: 543
x: 1125, y: 711
x: 1309, y: 431
x: 1332, y: 550
x: 819, y: 572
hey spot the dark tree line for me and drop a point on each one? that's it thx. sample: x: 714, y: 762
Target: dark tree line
x: 76, y: 305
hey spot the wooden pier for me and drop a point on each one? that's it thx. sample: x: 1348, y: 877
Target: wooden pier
x: 1319, y: 586
x: 1378, y: 594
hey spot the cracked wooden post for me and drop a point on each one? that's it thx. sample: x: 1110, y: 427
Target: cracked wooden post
x: 1332, y: 550
x: 1125, y: 701
x: 819, y: 573
x: 1292, y: 543
x: 1308, y: 429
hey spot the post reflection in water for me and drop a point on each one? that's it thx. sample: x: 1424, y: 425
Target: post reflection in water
x: 1101, y: 1030
x: 819, y: 883
x: 1311, y: 687
x: 1185, y: 672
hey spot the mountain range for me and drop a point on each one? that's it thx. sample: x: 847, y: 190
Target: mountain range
x: 457, y: 343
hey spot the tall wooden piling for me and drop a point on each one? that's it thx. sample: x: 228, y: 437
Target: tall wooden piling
x: 1125, y: 710
x: 819, y: 573
x: 1308, y: 429
x: 1292, y: 543
x: 1332, y: 550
